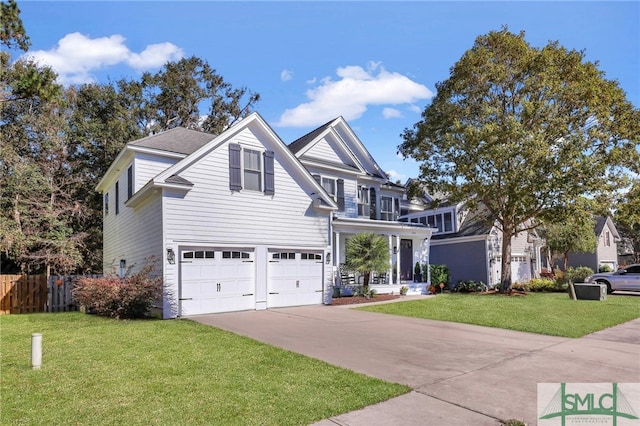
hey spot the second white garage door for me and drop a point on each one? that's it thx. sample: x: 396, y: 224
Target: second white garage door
x: 216, y: 280
x: 294, y: 278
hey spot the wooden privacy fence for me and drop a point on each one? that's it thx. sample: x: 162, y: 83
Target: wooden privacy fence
x: 23, y: 294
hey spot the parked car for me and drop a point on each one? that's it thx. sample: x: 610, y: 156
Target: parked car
x: 627, y: 278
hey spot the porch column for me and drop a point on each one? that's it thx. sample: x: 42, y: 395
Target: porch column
x: 390, y: 269
x: 398, y: 259
x: 336, y: 249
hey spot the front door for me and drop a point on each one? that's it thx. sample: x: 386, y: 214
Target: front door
x: 406, y: 260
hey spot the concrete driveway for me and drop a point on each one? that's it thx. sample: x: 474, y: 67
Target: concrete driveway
x: 460, y: 374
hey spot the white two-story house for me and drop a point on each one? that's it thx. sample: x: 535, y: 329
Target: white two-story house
x: 242, y: 221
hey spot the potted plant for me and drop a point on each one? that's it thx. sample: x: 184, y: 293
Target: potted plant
x: 417, y: 273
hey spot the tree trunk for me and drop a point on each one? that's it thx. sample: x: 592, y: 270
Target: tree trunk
x: 505, y: 279
x: 365, y: 281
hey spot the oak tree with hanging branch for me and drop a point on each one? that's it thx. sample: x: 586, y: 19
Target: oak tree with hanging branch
x: 525, y: 131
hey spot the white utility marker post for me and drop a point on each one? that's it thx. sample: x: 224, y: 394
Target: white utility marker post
x: 36, y: 351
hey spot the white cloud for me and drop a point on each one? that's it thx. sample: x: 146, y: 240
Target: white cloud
x: 395, y: 176
x: 286, y: 75
x: 415, y: 108
x: 155, y: 56
x: 391, y: 113
x: 351, y: 95
x: 76, y: 56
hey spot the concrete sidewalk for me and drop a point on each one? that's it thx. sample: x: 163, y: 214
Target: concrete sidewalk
x: 460, y: 374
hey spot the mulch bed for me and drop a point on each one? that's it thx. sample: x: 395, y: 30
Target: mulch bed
x: 353, y: 300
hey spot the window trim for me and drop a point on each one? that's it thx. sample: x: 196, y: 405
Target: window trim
x: 334, y: 195
x: 259, y: 172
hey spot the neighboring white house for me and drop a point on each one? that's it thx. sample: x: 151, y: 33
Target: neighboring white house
x: 241, y: 221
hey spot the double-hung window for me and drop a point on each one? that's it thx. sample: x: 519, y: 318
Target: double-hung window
x: 252, y: 171
x: 329, y: 185
x: 363, y: 201
x: 386, y: 208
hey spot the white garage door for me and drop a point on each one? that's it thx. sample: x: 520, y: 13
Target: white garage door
x: 520, y: 269
x: 216, y: 280
x: 294, y: 278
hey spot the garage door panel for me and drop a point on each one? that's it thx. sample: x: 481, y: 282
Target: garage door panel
x: 294, y: 278
x: 216, y: 280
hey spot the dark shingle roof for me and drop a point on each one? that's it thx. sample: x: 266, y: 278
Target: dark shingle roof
x: 178, y: 140
x: 301, y: 142
x: 600, y: 222
x: 478, y: 222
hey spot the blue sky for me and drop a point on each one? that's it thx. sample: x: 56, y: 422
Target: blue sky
x: 374, y: 63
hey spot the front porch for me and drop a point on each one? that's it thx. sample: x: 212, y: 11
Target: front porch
x: 414, y: 289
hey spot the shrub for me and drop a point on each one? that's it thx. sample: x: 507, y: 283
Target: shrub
x: 518, y: 286
x: 605, y: 268
x: 542, y: 284
x: 470, y: 286
x: 577, y: 275
x: 439, y: 274
x: 130, y: 297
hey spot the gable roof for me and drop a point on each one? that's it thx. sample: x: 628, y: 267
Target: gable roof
x: 178, y: 140
x: 170, y: 177
x: 352, y: 146
x: 601, y: 221
x: 303, y: 141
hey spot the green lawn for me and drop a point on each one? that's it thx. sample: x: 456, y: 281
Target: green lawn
x: 544, y: 313
x: 101, y: 371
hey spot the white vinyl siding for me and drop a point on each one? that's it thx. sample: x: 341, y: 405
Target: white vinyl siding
x: 146, y: 167
x: 133, y: 235
x: 323, y: 151
x: 209, y: 212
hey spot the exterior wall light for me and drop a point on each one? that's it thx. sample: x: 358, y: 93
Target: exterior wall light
x: 171, y: 256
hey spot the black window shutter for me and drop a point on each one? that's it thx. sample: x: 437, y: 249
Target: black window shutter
x: 235, y: 170
x: 269, y: 181
x: 129, y: 182
x: 396, y: 210
x: 373, y: 203
x: 340, y: 194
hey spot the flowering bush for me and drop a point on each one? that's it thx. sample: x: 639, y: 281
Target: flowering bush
x: 130, y: 297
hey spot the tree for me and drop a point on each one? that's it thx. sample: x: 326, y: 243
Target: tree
x: 366, y: 253
x: 627, y: 220
x: 525, y: 131
x: 574, y: 233
x: 178, y: 92
x: 12, y: 33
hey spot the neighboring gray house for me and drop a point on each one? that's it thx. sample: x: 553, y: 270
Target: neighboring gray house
x: 470, y: 244
x: 240, y: 221
x: 606, y: 253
